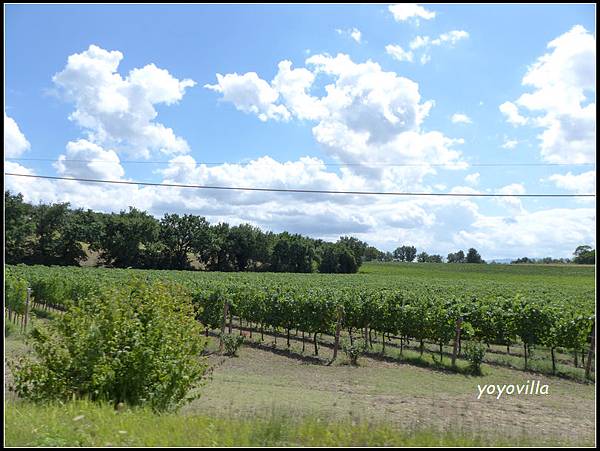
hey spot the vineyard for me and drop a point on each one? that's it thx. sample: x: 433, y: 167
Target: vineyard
x: 509, y: 307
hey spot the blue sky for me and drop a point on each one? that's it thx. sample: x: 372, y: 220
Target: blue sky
x: 461, y: 61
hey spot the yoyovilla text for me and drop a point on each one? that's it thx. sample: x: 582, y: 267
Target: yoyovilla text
x: 529, y: 388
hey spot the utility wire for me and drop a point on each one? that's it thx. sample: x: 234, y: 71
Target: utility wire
x: 290, y: 190
x: 308, y: 164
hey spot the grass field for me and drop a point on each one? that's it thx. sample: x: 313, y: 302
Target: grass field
x: 270, y: 395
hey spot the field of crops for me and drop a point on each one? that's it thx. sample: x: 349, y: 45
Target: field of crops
x: 527, y: 306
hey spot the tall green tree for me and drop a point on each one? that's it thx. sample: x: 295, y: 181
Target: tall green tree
x: 126, y: 236
x: 405, y: 253
x: 457, y: 257
x: 50, y: 223
x: 356, y: 246
x: 18, y: 228
x: 182, y: 235
x: 584, y: 255
x: 473, y: 256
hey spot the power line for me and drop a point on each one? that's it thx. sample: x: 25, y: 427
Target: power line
x: 308, y: 164
x: 290, y: 190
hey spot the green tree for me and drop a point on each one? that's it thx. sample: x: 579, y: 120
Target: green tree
x: 584, y: 255
x: 18, y: 228
x: 473, y: 256
x: 457, y: 257
x: 50, y: 222
x: 126, y: 237
x: 182, y: 235
x: 356, y: 246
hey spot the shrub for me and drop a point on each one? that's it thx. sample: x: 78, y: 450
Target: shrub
x: 231, y: 343
x: 354, y: 350
x: 474, y: 353
x: 138, y: 344
x: 15, y: 290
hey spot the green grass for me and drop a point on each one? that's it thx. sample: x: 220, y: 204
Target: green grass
x: 570, y: 275
x: 269, y: 397
x: 86, y: 424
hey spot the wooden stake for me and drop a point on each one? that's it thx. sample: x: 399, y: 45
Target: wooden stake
x: 588, y: 363
x: 456, y: 340
x: 223, y: 323
x: 27, y: 307
x: 338, y: 327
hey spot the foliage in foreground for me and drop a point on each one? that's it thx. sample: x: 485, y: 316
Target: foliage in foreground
x: 355, y: 349
x: 87, y: 424
x: 475, y: 352
x: 137, y: 343
x: 231, y: 343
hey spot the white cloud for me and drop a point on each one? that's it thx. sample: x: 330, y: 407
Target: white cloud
x: 514, y: 203
x: 511, y: 112
x: 447, y: 39
x: 366, y: 115
x: 584, y: 183
x: 405, y: 11
x: 419, y: 41
x: 293, y: 86
x: 88, y: 160
x: 461, y: 118
x: 15, y: 143
x: 555, y: 232
x: 562, y: 101
x: 250, y: 94
x: 399, y: 53
x: 119, y: 112
x: 473, y: 179
x: 353, y: 33
x: 356, y: 35
x: 450, y: 38
x: 510, y: 144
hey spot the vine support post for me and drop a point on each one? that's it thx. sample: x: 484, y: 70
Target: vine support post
x: 27, y: 300
x: 338, y: 328
x: 223, y: 323
x: 590, y: 356
x: 456, y: 340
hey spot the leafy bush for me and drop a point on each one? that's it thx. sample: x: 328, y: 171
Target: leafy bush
x: 137, y: 343
x: 15, y: 289
x: 355, y: 350
x: 231, y: 343
x: 474, y: 353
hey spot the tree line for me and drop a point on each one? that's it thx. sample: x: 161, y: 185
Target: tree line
x: 583, y: 255
x: 409, y: 254
x: 56, y: 234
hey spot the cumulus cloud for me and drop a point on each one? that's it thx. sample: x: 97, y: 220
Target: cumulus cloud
x: 473, y: 179
x: 399, y: 53
x: 554, y: 231
x: 561, y: 102
x: 513, y: 203
x: 510, y: 144
x: 250, y: 94
x: 511, y: 112
x: 584, y: 183
x: 15, y: 143
x: 293, y: 85
x: 367, y: 115
x: 354, y: 33
x: 461, y: 118
x: 405, y: 11
x: 119, y: 112
x: 84, y: 159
